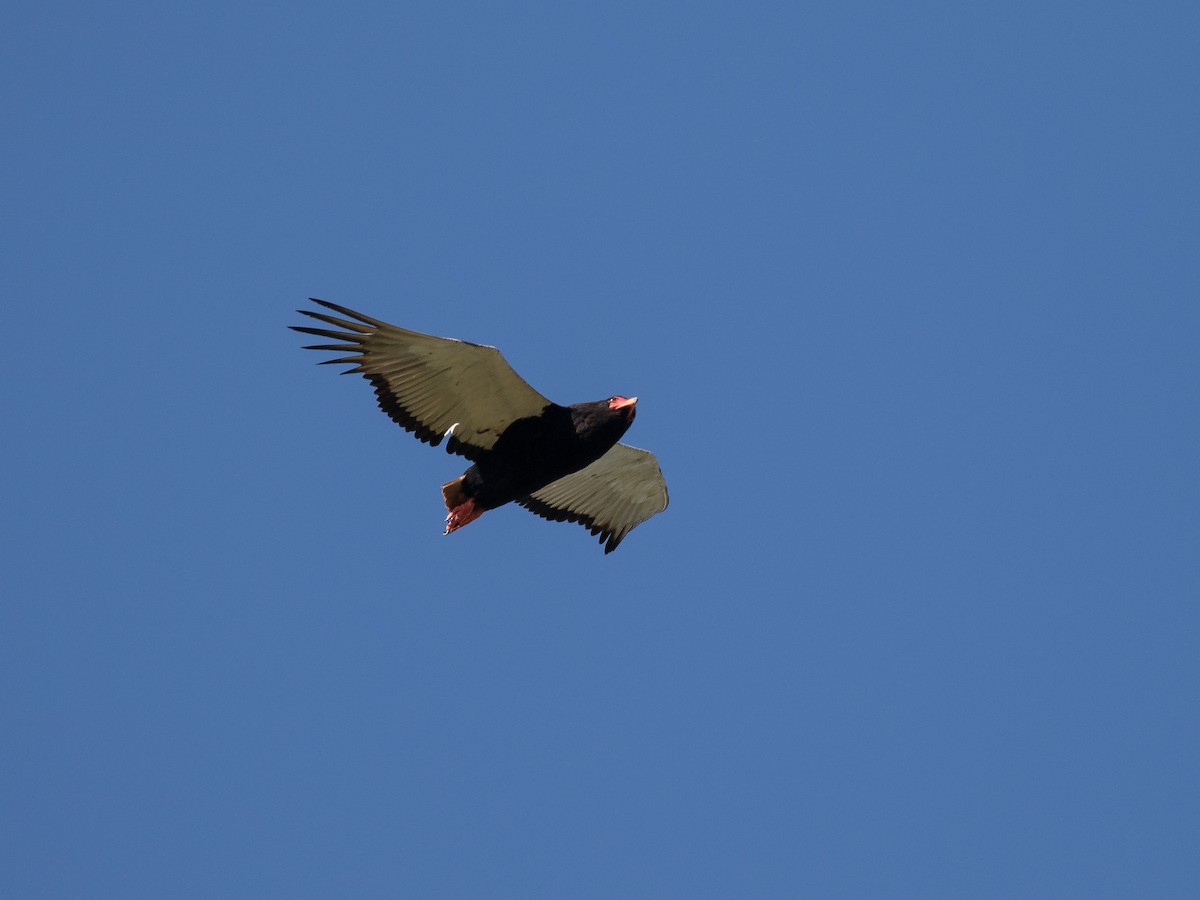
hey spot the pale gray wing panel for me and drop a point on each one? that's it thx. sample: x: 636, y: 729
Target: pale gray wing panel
x: 610, y: 497
x: 430, y: 385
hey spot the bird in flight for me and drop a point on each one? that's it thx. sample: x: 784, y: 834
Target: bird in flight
x: 564, y: 463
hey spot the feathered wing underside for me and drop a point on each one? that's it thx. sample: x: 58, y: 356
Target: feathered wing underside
x: 610, y: 497
x: 430, y: 385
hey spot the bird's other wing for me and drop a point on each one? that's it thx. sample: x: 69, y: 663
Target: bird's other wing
x: 431, y: 386
x: 609, y: 497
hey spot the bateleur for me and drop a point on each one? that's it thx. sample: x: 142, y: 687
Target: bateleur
x: 562, y: 462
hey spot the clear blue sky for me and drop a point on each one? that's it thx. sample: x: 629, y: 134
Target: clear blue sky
x: 911, y: 297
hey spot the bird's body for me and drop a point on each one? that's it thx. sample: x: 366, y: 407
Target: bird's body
x: 561, y: 462
x: 534, y: 451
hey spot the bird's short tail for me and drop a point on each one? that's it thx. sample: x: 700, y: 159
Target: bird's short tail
x: 453, y: 493
x: 462, y: 509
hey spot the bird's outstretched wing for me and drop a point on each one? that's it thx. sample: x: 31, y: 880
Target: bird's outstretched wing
x: 431, y: 386
x: 610, y: 497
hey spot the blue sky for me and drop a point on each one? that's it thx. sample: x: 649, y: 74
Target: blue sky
x: 910, y: 298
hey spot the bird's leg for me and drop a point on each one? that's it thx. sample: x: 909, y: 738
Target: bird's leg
x: 463, y: 514
x: 462, y: 507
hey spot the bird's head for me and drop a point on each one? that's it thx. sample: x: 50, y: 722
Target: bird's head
x: 626, y: 405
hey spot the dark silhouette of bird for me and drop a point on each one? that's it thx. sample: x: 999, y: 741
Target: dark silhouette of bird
x: 564, y: 463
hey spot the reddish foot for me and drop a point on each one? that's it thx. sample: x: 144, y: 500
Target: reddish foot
x: 463, y: 514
